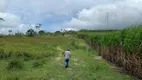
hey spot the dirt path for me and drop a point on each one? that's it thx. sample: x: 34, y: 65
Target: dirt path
x: 59, y: 58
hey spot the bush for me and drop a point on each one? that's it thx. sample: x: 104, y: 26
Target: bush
x: 37, y: 63
x: 31, y: 33
x: 4, y: 54
x: 15, y: 64
x: 41, y: 32
x: 19, y: 34
x: 13, y: 78
x: 1, y: 36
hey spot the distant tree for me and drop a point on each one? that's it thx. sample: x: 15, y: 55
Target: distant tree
x: 83, y: 30
x: 10, y: 31
x: 61, y: 30
x: 41, y: 32
x: 1, y: 19
x: 72, y: 32
x: 31, y: 33
x: 19, y: 34
x: 57, y: 32
x: 38, y: 27
x: 48, y: 33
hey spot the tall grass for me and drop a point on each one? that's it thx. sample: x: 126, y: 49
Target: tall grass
x: 36, y: 47
x: 124, y: 48
x: 40, y: 58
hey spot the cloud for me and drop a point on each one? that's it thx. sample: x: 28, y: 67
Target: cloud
x: 69, y: 14
x: 3, y: 5
x: 38, y: 11
x: 10, y: 20
x: 13, y: 22
x: 120, y: 14
x: 51, y: 12
x: 70, y: 29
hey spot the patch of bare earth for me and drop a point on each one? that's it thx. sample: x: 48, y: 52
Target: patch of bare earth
x: 59, y: 48
x: 76, y: 64
x: 98, y: 58
x: 59, y: 59
x: 69, y: 69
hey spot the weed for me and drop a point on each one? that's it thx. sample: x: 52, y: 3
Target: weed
x: 37, y: 63
x: 15, y: 64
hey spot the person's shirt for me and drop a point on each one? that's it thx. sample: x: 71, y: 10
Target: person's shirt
x: 67, y: 54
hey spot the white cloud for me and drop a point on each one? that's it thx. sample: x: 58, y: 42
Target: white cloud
x: 70, y: 29
x: 3, y: 5
x: 13, y: 22
x: 62, y: 7
x: 36, y: 10
x: 10, y: 20
x: 121, y: 14
x: 91, y: 14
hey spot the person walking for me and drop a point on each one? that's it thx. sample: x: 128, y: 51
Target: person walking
x: 67, y: 55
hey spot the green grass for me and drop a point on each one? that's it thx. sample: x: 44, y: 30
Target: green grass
x: 83, y: 66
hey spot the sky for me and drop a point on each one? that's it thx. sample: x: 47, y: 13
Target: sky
x: 21, y: 15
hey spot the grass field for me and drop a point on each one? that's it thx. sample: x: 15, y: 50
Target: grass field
x: 43, y: 60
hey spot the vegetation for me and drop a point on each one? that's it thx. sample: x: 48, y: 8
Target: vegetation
x: 10, y: 31
x: 57, y: 33
x: 31, y: 33
x: 124, y: 48
x: 41, y: 32
x: 40, y: 58
x: 31, y: 56
x: 1, y: 19
x: 38, y: 26
x: 15, y: 64
x: 19, y: 34
x: 85, y: 30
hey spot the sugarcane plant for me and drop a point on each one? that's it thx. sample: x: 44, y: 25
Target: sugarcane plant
x: 123, y: 48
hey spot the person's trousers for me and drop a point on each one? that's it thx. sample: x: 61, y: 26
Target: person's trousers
x: 66, y: 63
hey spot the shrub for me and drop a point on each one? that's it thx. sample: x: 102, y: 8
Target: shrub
x: 13, y: 78
x: 37, y: 63
x: 19, y: 34
x: 41, y: 32
x: 31, y: 33
x: 1, y: 36
x: 15, y: 64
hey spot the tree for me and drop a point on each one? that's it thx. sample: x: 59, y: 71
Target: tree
x: 38, y: 27
x: 41, y: 32
x: 57, y: 32
x: 19, y: 34
x: 31, y: 33
x: 1, y: 19
x: 10, y: 31
x: 48, y: 33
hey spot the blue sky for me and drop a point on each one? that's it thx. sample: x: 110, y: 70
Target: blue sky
x: 74, y: 14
